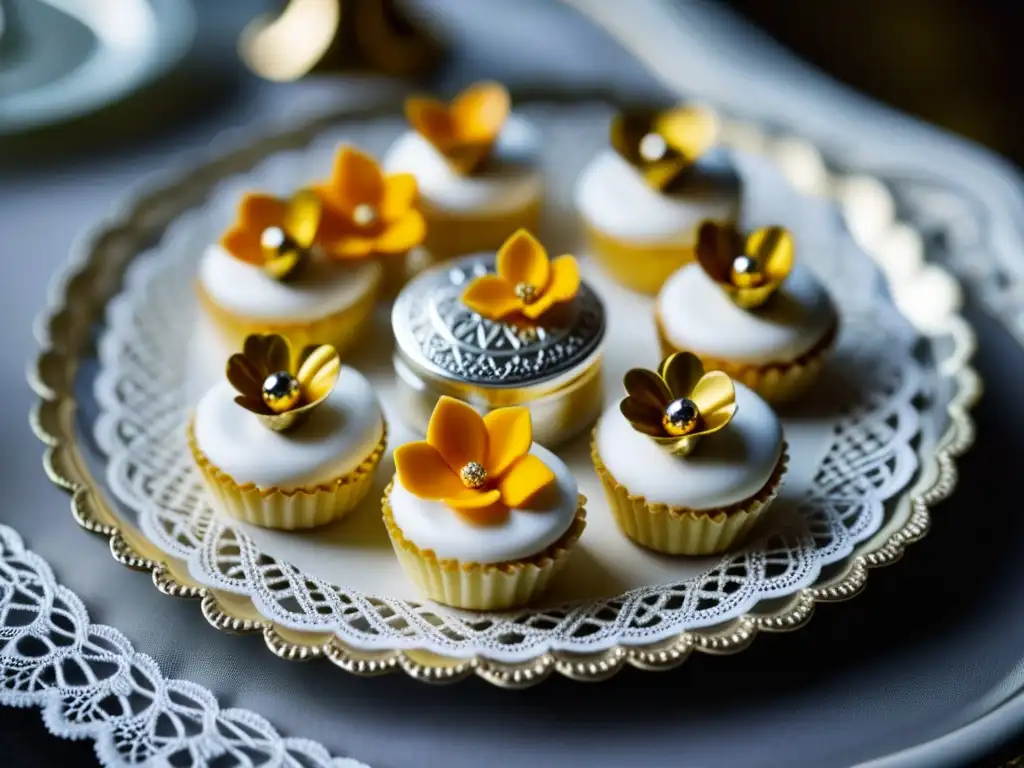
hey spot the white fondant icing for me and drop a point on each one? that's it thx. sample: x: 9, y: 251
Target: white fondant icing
x: 613, y: 198
x: 511, y: 181
x: 524, y: 533
x: 333, y: 440
x: 697, y: 316
x: 321, y: 289
x: 724, y: 468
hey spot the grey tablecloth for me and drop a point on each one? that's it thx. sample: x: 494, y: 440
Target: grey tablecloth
x: 920, y: 653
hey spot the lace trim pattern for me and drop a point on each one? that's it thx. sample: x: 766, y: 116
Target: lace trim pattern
x: 91, y: 683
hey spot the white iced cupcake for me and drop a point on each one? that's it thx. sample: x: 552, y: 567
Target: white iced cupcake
x: 642, y: 199
x: 689, y: 461
x: 480, y: 517
x: 746, y: 308
x: 267, y: 275
x: 287, y: 443
x: 477, y: 166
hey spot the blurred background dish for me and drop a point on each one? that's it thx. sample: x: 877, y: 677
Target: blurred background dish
x: 366, y: 36
x: 79, y: 77
x: 64, y: 59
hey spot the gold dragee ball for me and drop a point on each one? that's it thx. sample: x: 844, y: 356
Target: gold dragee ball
x: 746, y: 272
x: 473, y: 475
x: 281, y: 391
x: 680, y: 417
x: 526, y: 292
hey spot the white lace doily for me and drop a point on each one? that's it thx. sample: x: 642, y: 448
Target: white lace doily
x: 91, y: 683
x: 859, y: 450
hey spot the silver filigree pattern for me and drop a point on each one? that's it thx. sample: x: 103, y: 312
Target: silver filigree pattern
x: 438, y: 333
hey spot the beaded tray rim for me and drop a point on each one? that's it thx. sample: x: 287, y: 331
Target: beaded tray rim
x: 94, y: 276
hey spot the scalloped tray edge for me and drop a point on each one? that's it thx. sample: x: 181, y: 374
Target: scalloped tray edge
x: 77, y: 299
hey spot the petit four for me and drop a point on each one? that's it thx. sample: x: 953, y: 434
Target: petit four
x: 748, y: 310
x: 642, y: 199
x: 689, y: 460
x: 287, y: 441
x: 268, y: 274
x: 515, y: 328
x: 479, y: 515
x: 478, y: 168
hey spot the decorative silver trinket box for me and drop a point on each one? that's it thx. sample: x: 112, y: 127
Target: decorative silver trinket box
x: 552, y: 366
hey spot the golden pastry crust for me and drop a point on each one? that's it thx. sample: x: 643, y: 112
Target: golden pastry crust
x: 294, y: 508
x: 482, y: 586
x: 641, y: 267
x: 682, y: 531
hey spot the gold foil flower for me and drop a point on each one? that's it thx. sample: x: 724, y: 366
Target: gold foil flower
x: 527, y: 282
x: 367, y: 212
x: 749, y: 269
x: 465, y: 130
x: 279, y: 393
x: 274, y: 234
x: 678, y: 404
x: 478, y: 466
x: 661, y: 145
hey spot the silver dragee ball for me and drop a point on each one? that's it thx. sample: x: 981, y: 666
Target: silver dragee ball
x: 281, y: 391
x: 680, y: 416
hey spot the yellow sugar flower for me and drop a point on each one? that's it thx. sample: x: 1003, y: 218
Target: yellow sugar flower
x: 662, y: 145
x: 478, y: 466
x: 527, y: 282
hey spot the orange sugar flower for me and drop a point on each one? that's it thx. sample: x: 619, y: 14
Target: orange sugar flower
x: 527, y: 281
x: 465, y: 130
x: 478, y: 466
x: 367, y: 212
x: 274, y: 234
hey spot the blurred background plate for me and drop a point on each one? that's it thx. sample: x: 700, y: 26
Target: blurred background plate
x: 64, y: 59
x: 946, y: 678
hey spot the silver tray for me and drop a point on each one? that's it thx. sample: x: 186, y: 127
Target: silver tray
x: 72, y: 463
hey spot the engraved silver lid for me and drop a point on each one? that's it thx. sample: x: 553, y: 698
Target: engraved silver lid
x: 456, y: 351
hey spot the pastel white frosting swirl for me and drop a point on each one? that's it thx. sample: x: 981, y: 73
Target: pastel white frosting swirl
x: 612, y: 197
